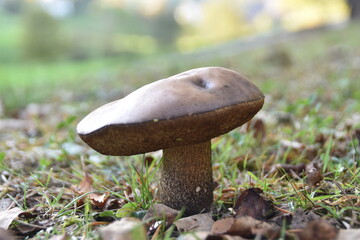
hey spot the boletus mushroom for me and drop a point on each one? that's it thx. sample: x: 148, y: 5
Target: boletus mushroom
x: 180, y: 115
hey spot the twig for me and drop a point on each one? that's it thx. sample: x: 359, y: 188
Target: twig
x: 29, y: 224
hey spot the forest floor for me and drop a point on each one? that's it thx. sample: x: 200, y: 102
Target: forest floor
x: 297, y: 161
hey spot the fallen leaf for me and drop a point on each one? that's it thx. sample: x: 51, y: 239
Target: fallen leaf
x: 207, y: 236
x: 99, y: 200
x: 320, y: 138
x: 25, y: 228
x: 349, y: 234
x: 311, y: 152
x: 85, y: 186
x: 113, y: 203
x: 161, y: 212
x: 124, y: 229
x: 291, y: 169
x: 223, y: 226
x: 227, y: 195
x: 246, y: 227
x: 157, y: 215
x: 32, y: 221
x: 251, y: 203
x: 198, y: 222
x: 257, y: 126
x: 345, y: 199
x: 319, y: 230
x: 313, y: 174
x: 8, y: 216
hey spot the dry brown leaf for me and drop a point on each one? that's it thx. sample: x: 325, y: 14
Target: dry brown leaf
x: 113, y: 203
x: 246, y: 227
x: 251, y: 203
x: 340, y: 148
x: 313, y: 174
x: 311, y: 152
x: 99, y: 200
x: 124, y: 229
x: 85, y: 186
x: 25, y: 228
x: 319, y: 230
x: 344, y: 199
x: 161, y: 212
x: 8, y: 216
x: 258, y: 127
x: 320, y: 139
x: 227, y: 195
x: 290, y: 168
x: 198, y: 222
x: 223, y: 226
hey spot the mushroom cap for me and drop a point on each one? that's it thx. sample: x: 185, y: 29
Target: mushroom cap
x: 187, y: 108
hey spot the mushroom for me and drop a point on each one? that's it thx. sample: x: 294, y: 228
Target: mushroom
x: 180, y: 115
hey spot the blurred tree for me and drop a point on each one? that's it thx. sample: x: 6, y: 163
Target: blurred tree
x: 41, y: 39
x: 220, y: 21
x: 80, y: 6
x: 354, y: 6
x: 305, y: 14
x: 163, y: 28
x: 12, y: 6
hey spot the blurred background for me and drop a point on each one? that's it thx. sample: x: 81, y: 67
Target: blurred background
x: 85, y: 45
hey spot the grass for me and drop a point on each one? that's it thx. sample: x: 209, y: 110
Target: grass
x: 311, y: 101
x: 34, y: 82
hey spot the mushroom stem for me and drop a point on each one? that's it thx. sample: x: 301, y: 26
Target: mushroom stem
x: 186, y: 178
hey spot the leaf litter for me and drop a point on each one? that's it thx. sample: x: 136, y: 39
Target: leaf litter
x: 254, y: 215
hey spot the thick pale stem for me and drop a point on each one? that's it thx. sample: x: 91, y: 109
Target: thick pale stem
x: 186, y: 178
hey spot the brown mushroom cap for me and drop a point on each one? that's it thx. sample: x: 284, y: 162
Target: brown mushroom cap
x: 187, y: 108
